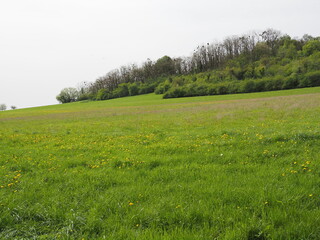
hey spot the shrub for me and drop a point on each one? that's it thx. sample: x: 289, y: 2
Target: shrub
x: 311, y: 79
x: 190, y: 90
x: 133, y: 89
x: 268, y: 84
x: 103, y: 94
x: 212, y: 89
x: 146, y: 88
x: 234, y: 87
x: 260, y: 86
x: 311, y: 47
x: 222, y: 89
x: 175, y: 93
x: 121, y: 91
x: 86, y: 96
x: 291, y: 82
x: 162, y: 87
x: 274, y: 83
x: 202, y: 90
x: 248, y: 86
x: 68, y: 95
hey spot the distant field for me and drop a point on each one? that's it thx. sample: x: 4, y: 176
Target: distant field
x: 240, y: 166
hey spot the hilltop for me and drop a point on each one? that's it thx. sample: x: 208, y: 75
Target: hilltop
x: 254, y: 62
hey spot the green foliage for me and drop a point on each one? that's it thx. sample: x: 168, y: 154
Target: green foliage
x: 278, y: 82
x: 311, y: 47
x: 310, y: 79
x: 162, y: 87
x: 291, y: 82
x: 87, y: 96
x: 133, y: 89
x: 164, y: 66
x: 289, y: 48
x: 175, y: 92
x: 147, y: 88
x: 244, y: 64
x: 103, y: 94
x: 121, y: 91
x: 249, y: 86
x: 261, y: 50
x: 286, y: 71
x: 68, y: 95
x: 311, y: 63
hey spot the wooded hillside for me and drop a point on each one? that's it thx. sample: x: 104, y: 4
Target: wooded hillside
x: 252, y: 62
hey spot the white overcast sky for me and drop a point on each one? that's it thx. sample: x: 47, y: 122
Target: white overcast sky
x: 47, y: 45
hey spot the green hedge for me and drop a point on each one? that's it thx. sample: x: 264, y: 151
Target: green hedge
x: 124, y: 90
x: 311, y: 79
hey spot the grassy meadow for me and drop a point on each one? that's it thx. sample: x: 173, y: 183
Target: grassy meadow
x: 243, y: 166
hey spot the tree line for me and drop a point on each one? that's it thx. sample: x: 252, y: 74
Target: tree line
x: 263, y: 61
x: 3, y: 107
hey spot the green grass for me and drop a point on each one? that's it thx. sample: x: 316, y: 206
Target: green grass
x: 240, y: 166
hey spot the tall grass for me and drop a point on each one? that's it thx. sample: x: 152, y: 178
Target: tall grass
x: 220, y: 167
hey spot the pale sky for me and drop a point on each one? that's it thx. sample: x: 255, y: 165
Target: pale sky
x: 47, y: 45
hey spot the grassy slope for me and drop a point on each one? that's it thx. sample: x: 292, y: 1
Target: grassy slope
x: 227, y: 167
